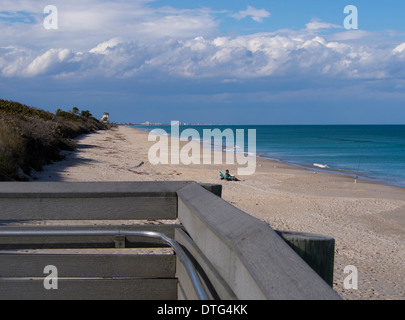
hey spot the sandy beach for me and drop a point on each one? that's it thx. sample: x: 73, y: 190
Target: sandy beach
x: 367, y: 220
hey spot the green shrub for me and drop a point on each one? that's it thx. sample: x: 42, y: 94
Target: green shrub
x: 12, y: 152
x: 31, y: 138
x: 15, y: 108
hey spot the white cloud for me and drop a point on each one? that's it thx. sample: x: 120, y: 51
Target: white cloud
x: 256, y: 14
x: 317, y: 25
x: 400, y: 48
x: 84, y: 23
x: 352, y: 35
x: 299, y: 54
x: 129, y: 39
x: 53, y: 58
x: 103, y: 48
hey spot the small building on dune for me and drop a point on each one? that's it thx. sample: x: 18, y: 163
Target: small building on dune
x: 106, y: 117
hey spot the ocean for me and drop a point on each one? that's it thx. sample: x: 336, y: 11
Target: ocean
x: 371, y: 152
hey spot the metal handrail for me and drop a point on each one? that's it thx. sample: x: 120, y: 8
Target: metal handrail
x: 192, y: 273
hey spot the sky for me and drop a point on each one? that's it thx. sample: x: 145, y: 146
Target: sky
x: 208, y: 62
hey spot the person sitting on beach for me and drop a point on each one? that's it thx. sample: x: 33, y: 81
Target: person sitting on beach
x: 221, y: 175
x: 230, y: 177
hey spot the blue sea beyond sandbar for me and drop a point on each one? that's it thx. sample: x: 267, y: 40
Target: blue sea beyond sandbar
x: 373, y: 152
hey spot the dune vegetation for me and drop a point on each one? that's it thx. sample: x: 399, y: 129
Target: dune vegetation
x: 31, y: 138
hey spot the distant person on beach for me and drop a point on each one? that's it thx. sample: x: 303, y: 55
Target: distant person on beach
x: 230, y: 177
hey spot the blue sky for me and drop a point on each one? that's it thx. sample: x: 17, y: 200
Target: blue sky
x: 220, y: 62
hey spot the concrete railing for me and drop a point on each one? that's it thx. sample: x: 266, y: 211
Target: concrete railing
x: 235, y: 255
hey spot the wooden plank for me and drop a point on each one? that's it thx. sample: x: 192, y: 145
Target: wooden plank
x: 316, y: 250
x: 88, y: 189
x: 215, y: 285
x: 214, y: 188
x: 88, y: 200
x: 90, y: 289
x: 254, y: 261
x: 88, y: 265
x: 55, y: 242
x: 91, y: 208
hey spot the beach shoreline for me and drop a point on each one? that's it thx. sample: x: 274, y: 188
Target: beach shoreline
x: 366, y: 219
x: 352, y: 173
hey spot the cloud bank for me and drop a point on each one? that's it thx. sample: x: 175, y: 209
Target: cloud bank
x: 303, y: 53
x: 100, y: 42
x: 131, y: 39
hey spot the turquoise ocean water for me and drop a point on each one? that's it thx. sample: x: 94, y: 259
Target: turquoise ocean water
x: 373, y: 152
